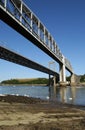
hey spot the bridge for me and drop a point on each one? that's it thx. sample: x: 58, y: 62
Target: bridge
x: 20, y: 17
x: 14, y: 57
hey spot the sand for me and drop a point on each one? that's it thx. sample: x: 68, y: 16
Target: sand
x: 23, y: 113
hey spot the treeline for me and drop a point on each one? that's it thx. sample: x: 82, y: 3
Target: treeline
x: 32, y: 81
x: 82, y: 79
x: 37, y: 80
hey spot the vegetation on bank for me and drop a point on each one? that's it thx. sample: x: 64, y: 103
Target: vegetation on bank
x: 26, y: 81
x: 37, y: 80
x: 82, y: 79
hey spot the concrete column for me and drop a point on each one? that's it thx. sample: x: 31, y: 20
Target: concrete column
x: 54, y: 79
x: 62, y: 73
x: 72, y: 78
x: 73, y: 82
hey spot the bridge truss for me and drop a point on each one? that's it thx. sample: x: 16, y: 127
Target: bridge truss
x: 21, y: 18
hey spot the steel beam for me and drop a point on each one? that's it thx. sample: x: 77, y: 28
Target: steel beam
x: 14, y: 57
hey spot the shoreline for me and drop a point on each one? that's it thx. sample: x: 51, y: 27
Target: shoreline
x: 16, y: 98
x: 33, y: 85
x: 20, y: 113
x: 32, y: 100
x: 44, y: 85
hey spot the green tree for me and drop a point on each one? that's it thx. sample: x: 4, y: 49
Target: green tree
x: 82, y: 79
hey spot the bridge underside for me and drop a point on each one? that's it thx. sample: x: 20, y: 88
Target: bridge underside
x: 11, y: 56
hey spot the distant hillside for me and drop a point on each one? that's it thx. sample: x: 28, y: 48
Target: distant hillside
x: 79, y: 78
x: 26, y: 81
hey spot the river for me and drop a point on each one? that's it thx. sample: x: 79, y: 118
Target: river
x: 72, y: 95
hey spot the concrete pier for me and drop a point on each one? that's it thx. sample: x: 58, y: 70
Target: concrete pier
x: 74, y: 79
x: 62, y: 80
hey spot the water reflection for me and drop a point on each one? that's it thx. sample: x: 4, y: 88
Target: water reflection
x: 63, y: 94
x: 69, y: 94
x: 73, y: 94
x: 52, y: 93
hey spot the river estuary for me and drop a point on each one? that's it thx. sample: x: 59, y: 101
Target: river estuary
x: 72, y: 95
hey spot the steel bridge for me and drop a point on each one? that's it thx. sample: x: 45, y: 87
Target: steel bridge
x: 20, y: 17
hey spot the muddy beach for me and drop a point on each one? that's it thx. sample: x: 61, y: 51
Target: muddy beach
x: 23, y: 113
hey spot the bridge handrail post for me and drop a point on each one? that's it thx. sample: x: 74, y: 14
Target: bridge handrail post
x: 48, y: 39
x: 31, y: 22
x: 44, y: 36
x: 5, y: 3
x: 52, y: 44
x: 21, y: 11
x: 39, y: 28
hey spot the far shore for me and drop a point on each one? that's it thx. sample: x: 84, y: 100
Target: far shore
x: 44, y: 85
x: 23, y: 85
x: 77, y: 84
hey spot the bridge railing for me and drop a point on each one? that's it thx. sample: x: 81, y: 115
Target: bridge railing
x: 4, y: 45
x: 30, y: 21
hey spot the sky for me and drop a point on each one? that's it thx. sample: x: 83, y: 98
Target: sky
x: 65, y: 20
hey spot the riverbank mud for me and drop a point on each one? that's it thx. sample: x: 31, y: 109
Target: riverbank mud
x: 23, y: 113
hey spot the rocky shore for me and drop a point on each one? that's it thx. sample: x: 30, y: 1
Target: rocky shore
x: 23, y: 113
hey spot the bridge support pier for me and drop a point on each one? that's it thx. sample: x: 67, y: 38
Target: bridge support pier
x: 62, y: 78
x: 74, y: 79
x: 54, y: 80
x: 49, y: 80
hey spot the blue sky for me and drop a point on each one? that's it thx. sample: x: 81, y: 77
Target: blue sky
x: 65, y: 20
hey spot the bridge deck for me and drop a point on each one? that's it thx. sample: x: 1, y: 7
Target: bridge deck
x: 11, y: 56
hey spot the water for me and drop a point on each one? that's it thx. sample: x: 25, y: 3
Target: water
x: 72, y: 95
x: 30, y: 91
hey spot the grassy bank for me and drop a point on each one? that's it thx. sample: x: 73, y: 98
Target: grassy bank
x: 32, y: 81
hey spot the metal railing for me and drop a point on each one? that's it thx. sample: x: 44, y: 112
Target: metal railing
x: 30, y: 21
